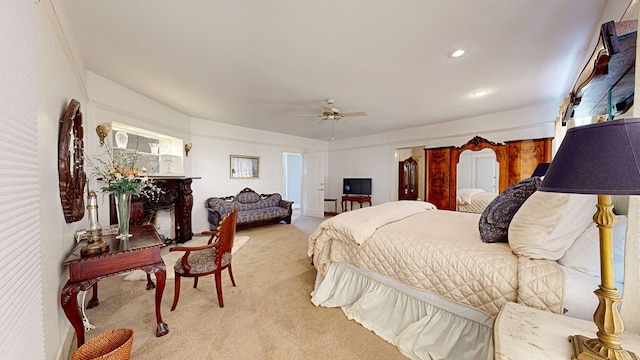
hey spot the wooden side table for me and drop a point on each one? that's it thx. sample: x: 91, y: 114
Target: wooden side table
x: 360, y: 199
x: 521, y: 332
x: 335, y: 207
x: 141, y: 251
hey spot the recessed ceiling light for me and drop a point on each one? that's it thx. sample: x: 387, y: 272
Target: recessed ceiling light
x: 480, y: 92
x: 457, y: 53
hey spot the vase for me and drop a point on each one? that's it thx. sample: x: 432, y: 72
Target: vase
x: 123, y: 207
x: 155, y: 148
x: 122, y: 139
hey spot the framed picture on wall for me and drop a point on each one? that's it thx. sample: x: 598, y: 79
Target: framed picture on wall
x: 244, y: 167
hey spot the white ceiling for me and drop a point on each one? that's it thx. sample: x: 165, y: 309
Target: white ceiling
x: 258, y: 63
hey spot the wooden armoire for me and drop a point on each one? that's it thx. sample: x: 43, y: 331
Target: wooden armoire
x: 518, y: 159
x: 408, y: 179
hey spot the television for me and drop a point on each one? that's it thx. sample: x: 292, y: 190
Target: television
x: 352, y: 186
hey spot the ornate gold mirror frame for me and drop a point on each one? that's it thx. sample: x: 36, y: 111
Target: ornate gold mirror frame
x: 71, y: 175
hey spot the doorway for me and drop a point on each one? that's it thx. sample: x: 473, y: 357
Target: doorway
x: 417, y: 154
x: 292, y: 175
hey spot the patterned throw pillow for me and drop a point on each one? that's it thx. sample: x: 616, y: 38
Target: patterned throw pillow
x: 495, y: 219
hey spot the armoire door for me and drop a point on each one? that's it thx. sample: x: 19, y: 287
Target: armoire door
x: 525, y: 155
x: 437, y: 176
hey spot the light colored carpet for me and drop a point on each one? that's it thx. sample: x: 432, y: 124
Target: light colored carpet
x: 268, y: 315
x: 170, y: 258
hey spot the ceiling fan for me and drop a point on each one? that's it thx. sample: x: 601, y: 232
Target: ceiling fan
x: 331, y: 113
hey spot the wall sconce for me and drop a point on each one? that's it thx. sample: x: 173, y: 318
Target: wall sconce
x: 102, y: 130
x: 187, y: 148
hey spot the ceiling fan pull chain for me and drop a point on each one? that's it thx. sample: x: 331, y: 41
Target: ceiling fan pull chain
x: 332, y: 130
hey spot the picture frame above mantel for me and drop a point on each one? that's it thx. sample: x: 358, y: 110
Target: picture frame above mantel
x: 244, y: 167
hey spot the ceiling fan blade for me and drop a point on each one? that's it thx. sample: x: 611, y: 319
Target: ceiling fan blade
x: 346, y: 122
x: 356, y: 113
x: 327, y: 109
x: 307, y: 115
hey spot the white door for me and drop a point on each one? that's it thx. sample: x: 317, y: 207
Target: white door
x: 486, y: 176
x: 313, y: 181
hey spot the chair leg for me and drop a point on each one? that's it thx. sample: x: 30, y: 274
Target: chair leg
x: 219, y: 288
x: 231, y: 276
x: 195, y: 282
x: 176, y: 293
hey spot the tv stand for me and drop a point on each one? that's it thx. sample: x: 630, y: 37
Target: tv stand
x: 360, y: 199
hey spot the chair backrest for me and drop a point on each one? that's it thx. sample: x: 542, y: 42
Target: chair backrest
x: 226, y: 234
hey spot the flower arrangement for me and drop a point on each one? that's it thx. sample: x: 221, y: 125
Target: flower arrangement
x: 119, y: 175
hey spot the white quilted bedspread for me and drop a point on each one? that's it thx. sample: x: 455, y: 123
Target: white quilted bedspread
x: 441, y: 251
x: 477, y: 203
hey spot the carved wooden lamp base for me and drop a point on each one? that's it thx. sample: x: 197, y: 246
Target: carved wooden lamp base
x: 585, y: 348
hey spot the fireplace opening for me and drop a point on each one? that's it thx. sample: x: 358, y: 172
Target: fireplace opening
x: 163, y: 219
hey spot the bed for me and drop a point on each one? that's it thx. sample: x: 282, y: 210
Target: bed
x: 424, y: 280
x: 473, y: 200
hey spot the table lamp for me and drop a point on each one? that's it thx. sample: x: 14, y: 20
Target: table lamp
x: 602, y: 159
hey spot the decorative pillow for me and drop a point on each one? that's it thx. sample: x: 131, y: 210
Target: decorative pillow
x: 584, y: 254
x: 547, y: 224
x: 495, y: 219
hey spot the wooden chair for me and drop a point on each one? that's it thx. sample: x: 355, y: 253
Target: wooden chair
x: 208, y: 259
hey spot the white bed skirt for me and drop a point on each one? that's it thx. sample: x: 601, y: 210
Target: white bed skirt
x: 406, y: 317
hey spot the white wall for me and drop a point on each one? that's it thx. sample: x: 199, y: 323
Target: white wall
x: 124, y: 105
x: 60, y: 77
x: 378, y: 163
x: 213, y: 143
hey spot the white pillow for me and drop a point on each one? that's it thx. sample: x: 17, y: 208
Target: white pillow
x: 584, y: 254
x: 547, y: 224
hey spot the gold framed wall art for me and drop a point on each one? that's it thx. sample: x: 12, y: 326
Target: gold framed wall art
x: 244, y: 167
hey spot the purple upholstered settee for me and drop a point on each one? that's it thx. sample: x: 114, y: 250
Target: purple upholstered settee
x: 253, y: 209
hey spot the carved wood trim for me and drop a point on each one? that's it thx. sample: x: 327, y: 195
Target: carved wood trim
x: 478, y: 141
